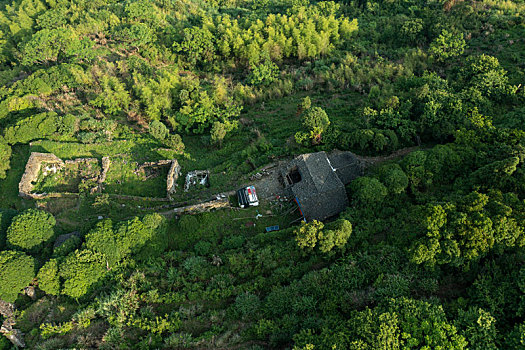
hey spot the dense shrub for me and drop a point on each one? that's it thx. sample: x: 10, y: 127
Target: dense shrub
x: 16, y: 272
x: 367, y: 191
x: 394, y: 178
x: 48, y: 278
x: 30, y: 230
x: 81, y: 271
x: 5, y: 158
x: 39, y: 126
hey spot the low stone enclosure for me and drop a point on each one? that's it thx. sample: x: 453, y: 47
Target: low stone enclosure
x: 41, y: 165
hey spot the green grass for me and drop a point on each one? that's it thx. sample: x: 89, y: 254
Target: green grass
x: 66, y: 179
x: 278, y: 120
x: 216, y: 226
x: 9, y: 186
x: 140, y: 150
x: 122, y: 179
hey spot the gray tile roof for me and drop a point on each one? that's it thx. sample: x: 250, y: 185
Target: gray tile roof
x: 320, y: 191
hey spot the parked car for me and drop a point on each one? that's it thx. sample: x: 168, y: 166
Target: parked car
x: 247, y: 197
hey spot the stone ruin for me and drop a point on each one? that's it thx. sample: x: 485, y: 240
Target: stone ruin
x: 33, y: 166
x: 7, y: 310
x: 53, y: 164
x: 173, y: 175
x: 196, y: 177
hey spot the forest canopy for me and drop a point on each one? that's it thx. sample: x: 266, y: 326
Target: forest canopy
x: 426, y: 97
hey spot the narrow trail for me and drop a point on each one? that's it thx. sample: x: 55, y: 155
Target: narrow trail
x: 370, y: 161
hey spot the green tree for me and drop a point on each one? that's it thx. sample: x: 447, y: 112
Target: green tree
x: 479, y: 328
x: 30, y: 230
x: 220, y: 130
x: 263, y: 74
x: 447, y: 45
x: 81, y: 271
x: 411, y: 30
x: 439, y: 110
x: 337, y: 236
x: 400, y: 323
x: 174, y: 141
x: 49, y: 45
x: 419, y: 176
x: 394, y: 178
x: 305, y: 104
x: 307, y: 234
x: 197, y: 45
x: 70, y: 245
x: 199, y: 111
x: 38, y: 126
x: 460, y: 233
x: 48, y: 278
x: 6, y: 216
x: 314, y: 233
x: 315, y: 121
x: 5, y: 158
x: 368, y: 191
x: 247, y: 305
x: 158, y: 130
x: 113, y: 98
x: 138, y: 35
x: 484, y: 73
x: 101, y: 239
x: 16, y: 272
x: 135, y: 236
x: 157, y: 94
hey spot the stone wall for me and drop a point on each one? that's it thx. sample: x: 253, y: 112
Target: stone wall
x: 173, y: 175
x: 202, y: 207
x: 36, y: 159
x: 7, y: 310
x: 106, y: 162
x: 25, y: 187
x: 159, y: 163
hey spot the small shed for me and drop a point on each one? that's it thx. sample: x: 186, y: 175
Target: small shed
x: 313, y: 182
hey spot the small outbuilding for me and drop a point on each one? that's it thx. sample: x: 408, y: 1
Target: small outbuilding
x: 313, y: 182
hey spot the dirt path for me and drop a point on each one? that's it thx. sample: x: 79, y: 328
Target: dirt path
x: 369, y: 161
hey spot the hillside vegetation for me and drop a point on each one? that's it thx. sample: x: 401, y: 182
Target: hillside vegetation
x: 428, y: 255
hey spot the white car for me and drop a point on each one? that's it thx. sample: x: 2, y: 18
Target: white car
x: 247, y: 197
